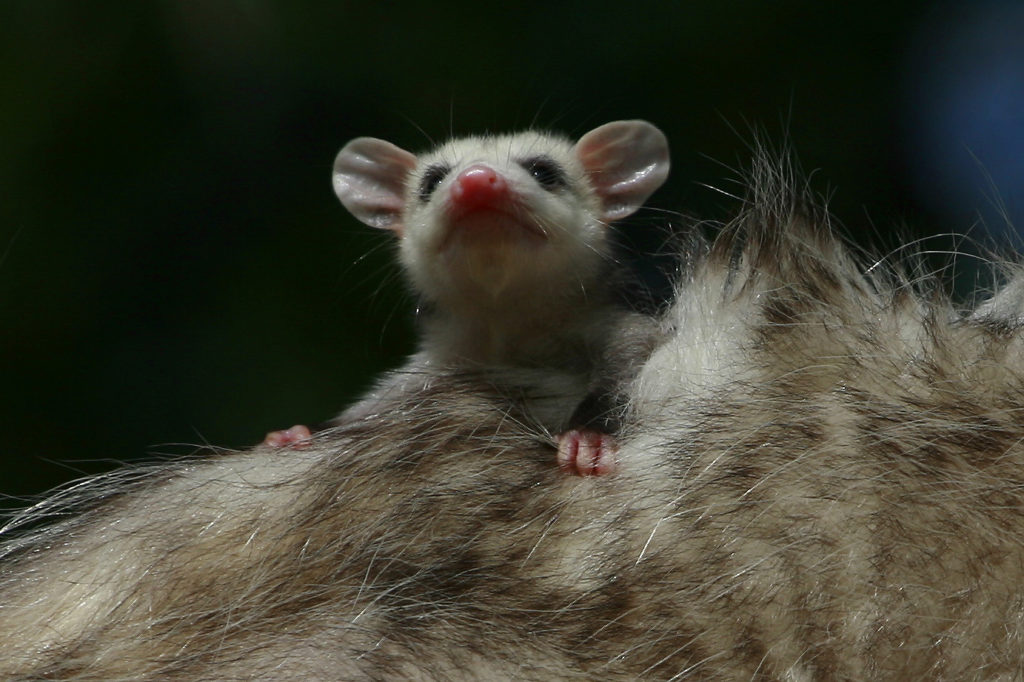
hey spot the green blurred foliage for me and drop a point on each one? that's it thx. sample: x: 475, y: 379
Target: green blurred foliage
x: 174, y: 267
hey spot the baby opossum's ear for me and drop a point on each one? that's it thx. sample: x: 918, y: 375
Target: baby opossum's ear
x: 369, y: 178
x: 625, y: 161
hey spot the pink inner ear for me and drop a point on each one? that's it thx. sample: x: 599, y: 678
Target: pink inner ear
x: 625, y: 161
x: 369, y: 178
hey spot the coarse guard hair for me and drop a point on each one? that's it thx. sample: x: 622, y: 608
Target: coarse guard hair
x: 821, y: 476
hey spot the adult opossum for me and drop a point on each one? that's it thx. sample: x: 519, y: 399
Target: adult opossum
x: 821, y: 476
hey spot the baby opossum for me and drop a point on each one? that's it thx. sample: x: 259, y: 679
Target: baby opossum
x: 822, y: 479
x: 505, y: 241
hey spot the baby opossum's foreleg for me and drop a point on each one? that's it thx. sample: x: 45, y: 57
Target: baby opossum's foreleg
x: 586, y: 452
x: 588, y: 447
x: 297, y: 436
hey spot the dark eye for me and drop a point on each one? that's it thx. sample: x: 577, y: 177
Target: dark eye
x: 431, y: 179
x: 546, y: 172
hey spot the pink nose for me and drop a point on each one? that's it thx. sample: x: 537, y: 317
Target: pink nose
x: 478, y: 186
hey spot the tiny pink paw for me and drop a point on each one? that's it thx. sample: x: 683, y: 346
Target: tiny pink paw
x: 586, y: 452
x: 298, y: 436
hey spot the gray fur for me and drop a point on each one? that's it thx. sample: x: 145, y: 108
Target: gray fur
x: 820, y: 477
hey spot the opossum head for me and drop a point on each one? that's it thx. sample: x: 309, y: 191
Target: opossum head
x: 485, y: 220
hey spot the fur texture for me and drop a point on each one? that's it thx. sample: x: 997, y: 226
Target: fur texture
x: 821, y: 477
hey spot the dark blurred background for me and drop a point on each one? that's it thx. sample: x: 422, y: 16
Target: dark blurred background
x: 175, y: 268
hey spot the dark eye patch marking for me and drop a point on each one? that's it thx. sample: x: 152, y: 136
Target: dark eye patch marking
x: 433, y: 177
x: 546, y: 171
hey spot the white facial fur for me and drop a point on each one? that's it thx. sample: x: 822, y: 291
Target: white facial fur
x: 543, y: 240
x: 569, y: 242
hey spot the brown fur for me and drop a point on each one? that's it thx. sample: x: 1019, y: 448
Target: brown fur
x: 821, y: 477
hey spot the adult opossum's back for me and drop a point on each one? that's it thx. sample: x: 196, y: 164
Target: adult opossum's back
x: 820, y: 477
